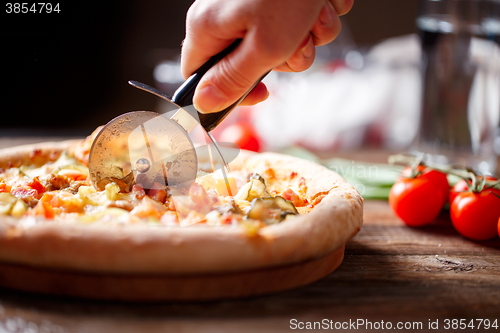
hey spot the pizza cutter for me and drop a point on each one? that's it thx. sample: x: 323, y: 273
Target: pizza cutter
x: 152, y: 149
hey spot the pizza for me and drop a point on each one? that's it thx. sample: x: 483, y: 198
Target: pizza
x: 273, y: 210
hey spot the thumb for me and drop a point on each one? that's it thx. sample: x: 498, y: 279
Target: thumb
x: 232, y: 77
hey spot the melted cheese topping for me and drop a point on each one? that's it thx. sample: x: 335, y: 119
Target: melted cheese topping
x: 61, y: 191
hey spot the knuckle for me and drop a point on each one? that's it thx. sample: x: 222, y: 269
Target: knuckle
x: 271, y: 51
x: 199, y: 18
x: 342, y: 6
x: 324, y: 35
x: 191, y: 14
x: 283, y: 68
x: 336, y: 29
x: 298, y: 63
x: 231, y: 80
x: 303, y: 65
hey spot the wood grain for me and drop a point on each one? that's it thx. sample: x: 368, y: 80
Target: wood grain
x: 390, y: 272
x: 179, y: 287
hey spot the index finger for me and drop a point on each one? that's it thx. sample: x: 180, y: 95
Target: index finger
x: 342, y: 7
x: 204, y: 38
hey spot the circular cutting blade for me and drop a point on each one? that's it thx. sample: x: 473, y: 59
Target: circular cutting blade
x: 143, y: 148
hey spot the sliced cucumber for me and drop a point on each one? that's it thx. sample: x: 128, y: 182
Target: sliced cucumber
x: 7, y: 202
x: 271, y: 210
x: 255, y: 188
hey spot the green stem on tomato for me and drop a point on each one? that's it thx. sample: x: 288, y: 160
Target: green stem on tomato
x: 474, y: 183
x: 495, y: 184
x: 410, y: 160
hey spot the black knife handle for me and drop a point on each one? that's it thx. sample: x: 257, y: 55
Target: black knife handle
x: 210, y: 121
x: 183, y: 96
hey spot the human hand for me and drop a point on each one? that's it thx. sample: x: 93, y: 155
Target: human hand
x: 277, y: 34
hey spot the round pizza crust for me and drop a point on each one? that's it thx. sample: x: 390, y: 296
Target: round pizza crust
x: 140, y: 249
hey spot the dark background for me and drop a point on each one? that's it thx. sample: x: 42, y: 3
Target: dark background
x: 67, y: 72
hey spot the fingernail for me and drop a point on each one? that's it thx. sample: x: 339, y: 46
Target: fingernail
x: 307, y: 49
x: 209, y: 99
x: 326, y: 16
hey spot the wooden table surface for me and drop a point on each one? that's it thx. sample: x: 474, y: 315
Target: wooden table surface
x: 390, y: 273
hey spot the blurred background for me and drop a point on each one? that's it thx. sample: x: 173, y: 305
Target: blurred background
x: 66, y: 73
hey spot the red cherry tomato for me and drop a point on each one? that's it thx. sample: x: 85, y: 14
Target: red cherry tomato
x: 22, y: 191
x: 36, y: 184
x: 461, y: 186
x: 499, y: 226
x: 438, y: 178
x: 241, y: 134
x: 475, y: 215
x: 417, y: 201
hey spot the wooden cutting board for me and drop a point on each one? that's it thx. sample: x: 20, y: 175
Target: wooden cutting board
x: 194, y: 287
